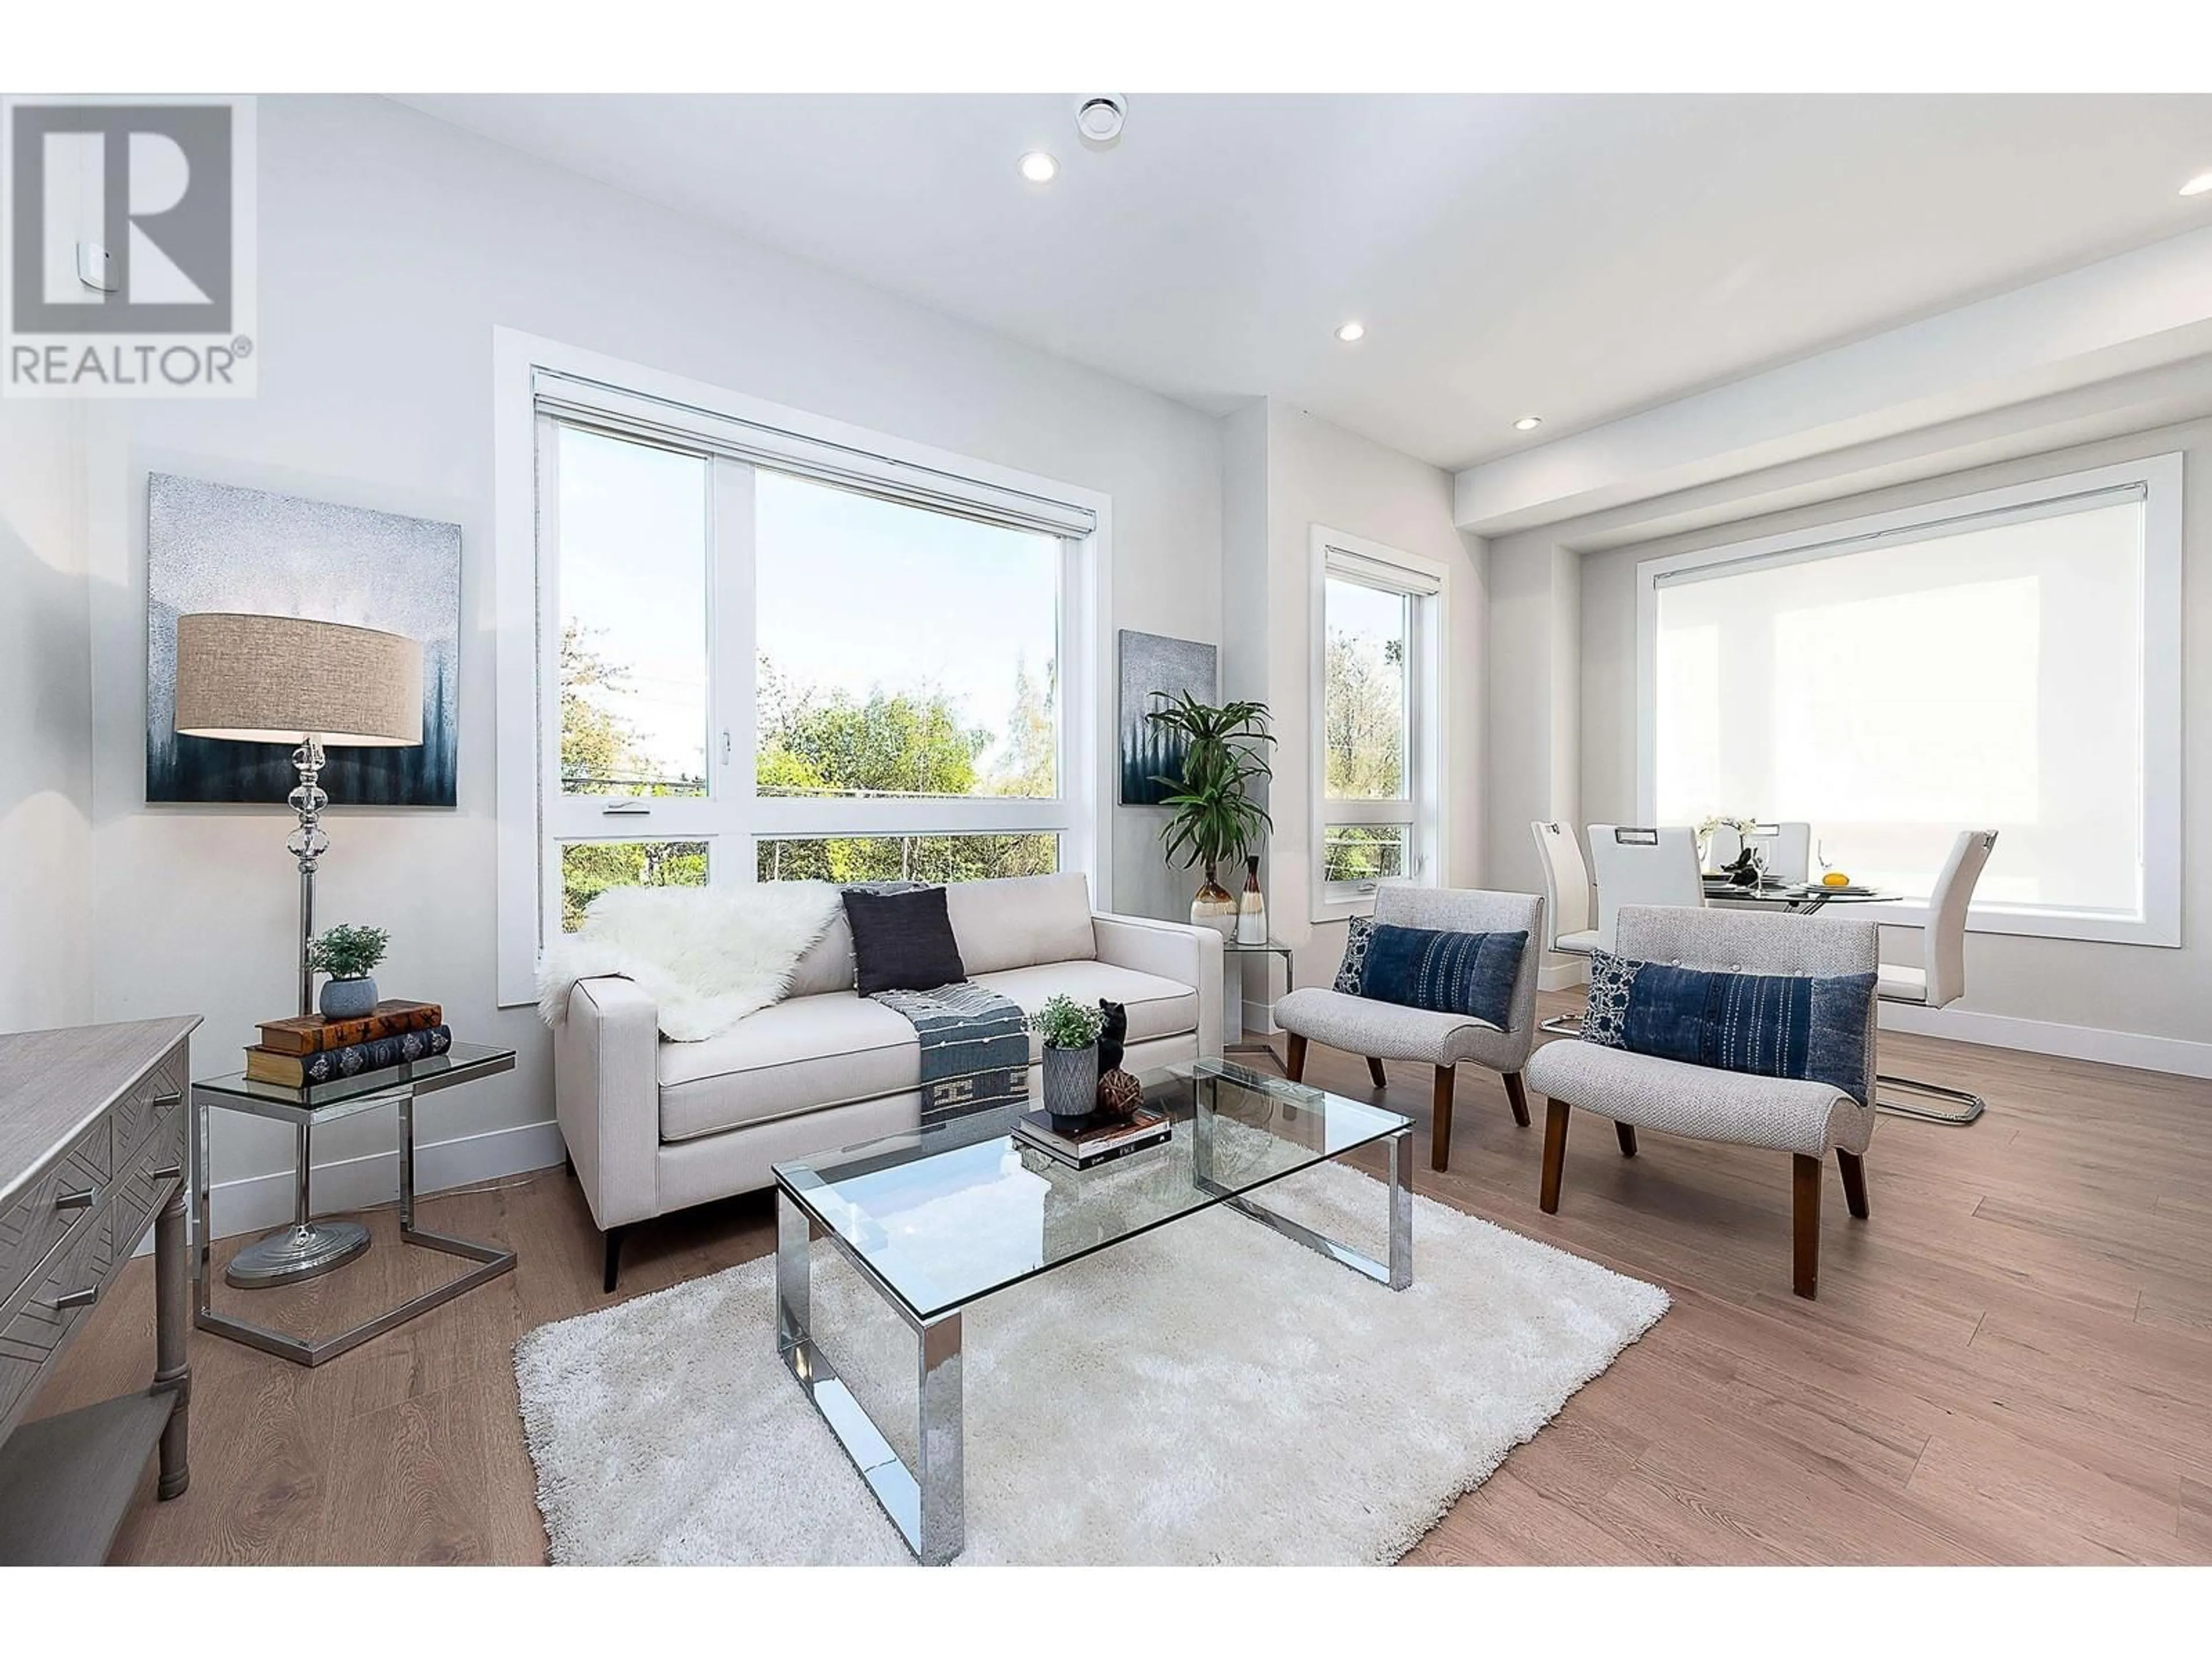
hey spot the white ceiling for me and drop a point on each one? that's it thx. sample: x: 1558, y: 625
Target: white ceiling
x: 1578, y: 257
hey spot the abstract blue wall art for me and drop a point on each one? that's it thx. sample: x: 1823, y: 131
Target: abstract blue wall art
x: 1153, y: 663
x: 216, y: 547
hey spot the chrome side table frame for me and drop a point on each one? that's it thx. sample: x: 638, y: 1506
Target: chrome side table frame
x: 1232, y: 964
x: 491, y: 1261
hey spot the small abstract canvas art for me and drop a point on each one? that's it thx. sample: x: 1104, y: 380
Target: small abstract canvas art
x: 1152, y: 665
x: 216, y: 547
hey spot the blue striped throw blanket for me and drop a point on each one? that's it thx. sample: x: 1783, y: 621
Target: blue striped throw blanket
x: 975, y: 1049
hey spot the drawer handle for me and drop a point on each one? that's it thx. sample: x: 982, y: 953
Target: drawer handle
x: 163, y: 1102
x: 167, y: 1172
x: 84, y: 1198
x: 83, y: 1298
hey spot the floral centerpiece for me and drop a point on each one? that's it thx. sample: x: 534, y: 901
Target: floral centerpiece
x: 1742, y: 827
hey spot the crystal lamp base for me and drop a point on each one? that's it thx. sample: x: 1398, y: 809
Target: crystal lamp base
x: 306, y: 1250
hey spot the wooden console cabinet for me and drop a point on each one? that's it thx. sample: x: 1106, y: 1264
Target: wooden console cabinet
x: 91, y: 1152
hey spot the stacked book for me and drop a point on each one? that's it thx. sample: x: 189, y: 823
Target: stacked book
x: 295, y: 1052
x: 1100, y: 1143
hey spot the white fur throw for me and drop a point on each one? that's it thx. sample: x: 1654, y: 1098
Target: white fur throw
x: 708, y: 957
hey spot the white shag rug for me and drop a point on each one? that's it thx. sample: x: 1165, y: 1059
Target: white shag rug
x: 708, y: 957
x: 1208, y: 1392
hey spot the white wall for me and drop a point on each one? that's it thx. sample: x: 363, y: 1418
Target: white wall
x: 2068, y: 992
x: 1317, y: 473
x: 390, y: 245
x: 45, y: 721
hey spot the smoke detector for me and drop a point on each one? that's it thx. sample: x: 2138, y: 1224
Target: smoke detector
x: 1099, y: 119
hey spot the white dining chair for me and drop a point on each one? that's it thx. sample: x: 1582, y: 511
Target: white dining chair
x: 1786, y: 849
x: 1639, y: 865
x: 1566, y: 903
x: 1941, y: 976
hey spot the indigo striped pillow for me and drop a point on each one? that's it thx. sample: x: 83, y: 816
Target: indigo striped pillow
x: 1784, y: 1025
x: 1469, y: 974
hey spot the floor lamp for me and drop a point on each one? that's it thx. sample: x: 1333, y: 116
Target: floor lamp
x: 317, y: 684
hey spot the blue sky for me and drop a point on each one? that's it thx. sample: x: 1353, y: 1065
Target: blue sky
x: 851, y: 592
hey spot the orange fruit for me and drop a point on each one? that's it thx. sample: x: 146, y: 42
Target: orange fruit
x: 1835, y: 878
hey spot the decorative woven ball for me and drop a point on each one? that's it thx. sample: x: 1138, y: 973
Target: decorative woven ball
x: 1119, y: 1094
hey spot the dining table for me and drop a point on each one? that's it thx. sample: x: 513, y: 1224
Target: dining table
x: 1798, y: 898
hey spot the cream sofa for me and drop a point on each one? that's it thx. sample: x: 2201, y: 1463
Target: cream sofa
x: 654, y: 1126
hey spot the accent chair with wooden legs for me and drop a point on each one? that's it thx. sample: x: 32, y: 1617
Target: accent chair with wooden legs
x: 1808, y: 1120
x: 1386, y: 1030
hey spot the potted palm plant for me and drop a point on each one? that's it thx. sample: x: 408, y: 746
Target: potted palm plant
x: 1212, y: 816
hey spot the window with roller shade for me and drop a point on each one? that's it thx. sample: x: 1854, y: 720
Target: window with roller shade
x: 2003, y: 664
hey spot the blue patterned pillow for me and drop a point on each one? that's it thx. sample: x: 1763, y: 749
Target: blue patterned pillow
x: 1768, y: 1025
x: 1355, y: 939
x: 1470, y: 974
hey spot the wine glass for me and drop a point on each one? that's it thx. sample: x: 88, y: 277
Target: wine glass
x: 1821, y: 857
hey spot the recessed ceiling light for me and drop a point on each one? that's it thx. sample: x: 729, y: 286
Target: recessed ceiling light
x: 1039, y: 168
x: 2198, y: 185
x: 1348, y: 333
x: 1527, y: 422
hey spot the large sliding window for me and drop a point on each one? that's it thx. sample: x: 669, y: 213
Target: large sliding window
x: 1378, y: 706
x: 765, y: 656
x: 2005, y: 662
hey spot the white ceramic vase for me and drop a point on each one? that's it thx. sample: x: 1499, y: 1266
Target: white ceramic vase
x: 1215, y: 907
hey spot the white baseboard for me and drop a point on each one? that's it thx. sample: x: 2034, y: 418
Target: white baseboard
x: 255, y: 1204
x: 2176, y: 1055
x: 1560, y: 975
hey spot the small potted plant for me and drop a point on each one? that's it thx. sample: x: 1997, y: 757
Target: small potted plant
x: 349, y: 955
x: 1070, y: 1031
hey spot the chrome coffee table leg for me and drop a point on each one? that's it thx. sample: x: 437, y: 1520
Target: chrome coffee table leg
x: 1397, y: 1273
x: 928, y: 1504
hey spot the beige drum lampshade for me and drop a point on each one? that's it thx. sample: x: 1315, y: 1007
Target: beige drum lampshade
x: 276, y: 679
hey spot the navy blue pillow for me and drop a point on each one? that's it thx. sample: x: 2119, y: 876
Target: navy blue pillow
x: 1470, y: 974
x: 1767, y: 1025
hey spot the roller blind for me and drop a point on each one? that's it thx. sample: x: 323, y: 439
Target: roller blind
x: 1982, y: 672
x: 597, y: 407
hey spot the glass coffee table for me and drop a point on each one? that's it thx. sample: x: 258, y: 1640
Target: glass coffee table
x: 936, y: 1220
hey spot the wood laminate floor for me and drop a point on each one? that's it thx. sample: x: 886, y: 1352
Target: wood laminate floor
x: 2010, y: 1362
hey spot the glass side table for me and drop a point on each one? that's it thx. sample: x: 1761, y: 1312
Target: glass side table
x: 1234, y: 1041
x: 315, y: 1244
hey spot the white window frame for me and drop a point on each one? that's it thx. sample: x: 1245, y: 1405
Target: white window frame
x: 2159, y: 477
x: 1428, y: 584
x: 538, y: 383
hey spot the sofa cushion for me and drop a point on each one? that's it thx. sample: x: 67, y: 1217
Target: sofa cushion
x: 901, y: 941
x: 802, y: 1054
x: 808, y: 1053
x: 827, y: 963
x: 1157, y: 1007
x: 1021, y: 921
